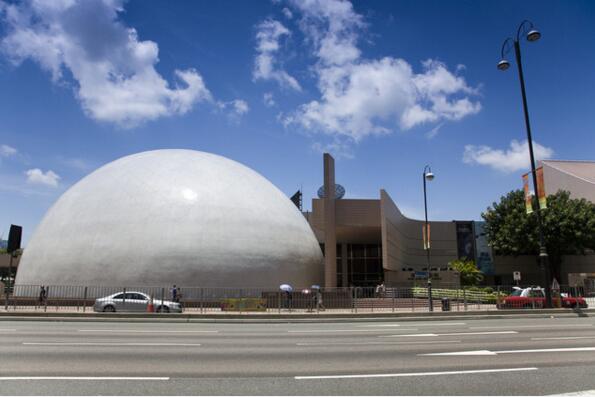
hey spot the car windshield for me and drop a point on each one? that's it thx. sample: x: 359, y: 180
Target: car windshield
x: 517, y: 292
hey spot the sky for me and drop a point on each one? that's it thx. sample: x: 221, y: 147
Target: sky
x: 386, y: 87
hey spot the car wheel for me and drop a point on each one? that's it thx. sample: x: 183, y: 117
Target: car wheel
x: 109, y: 308
x: 527, y: 306
x: 163, y: 309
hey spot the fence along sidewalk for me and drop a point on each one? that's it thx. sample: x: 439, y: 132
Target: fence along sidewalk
x: 407, y: 298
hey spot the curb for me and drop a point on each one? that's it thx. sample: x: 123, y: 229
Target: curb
x: 292, y: 318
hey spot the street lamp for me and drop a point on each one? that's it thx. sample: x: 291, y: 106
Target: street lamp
x: 428, y: 176
x: 531, y: 34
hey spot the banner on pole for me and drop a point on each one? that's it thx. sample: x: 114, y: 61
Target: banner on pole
x: 528, y: 201
x: 426, y: 236
x: 541, y: 189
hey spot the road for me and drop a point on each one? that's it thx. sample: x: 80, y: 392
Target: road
x: 478, y: 357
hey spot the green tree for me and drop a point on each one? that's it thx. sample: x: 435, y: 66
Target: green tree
x: 470, y: 274
x: 568, y: 227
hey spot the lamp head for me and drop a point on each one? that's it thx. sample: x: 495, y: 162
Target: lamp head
x: 503, y: 65
x: 533, y: 35
x: 429, y: 176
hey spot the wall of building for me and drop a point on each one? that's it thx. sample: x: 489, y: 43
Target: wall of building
x: 402, y: 240
x: 575, y: 177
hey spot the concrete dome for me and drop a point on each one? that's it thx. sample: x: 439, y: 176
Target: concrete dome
x: 172, y: 217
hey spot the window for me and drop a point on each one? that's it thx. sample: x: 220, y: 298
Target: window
x: 119, y: 296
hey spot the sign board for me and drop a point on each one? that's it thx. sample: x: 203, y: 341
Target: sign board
x: 516, y: 276
x: 555, y: 285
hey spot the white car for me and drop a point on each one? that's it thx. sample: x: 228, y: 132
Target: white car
x: 134, y: 301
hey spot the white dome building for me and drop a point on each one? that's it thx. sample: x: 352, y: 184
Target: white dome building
x: 168, y: 217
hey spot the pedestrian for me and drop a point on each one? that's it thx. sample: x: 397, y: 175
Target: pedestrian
x: 175, y: 294
x: 42, y: 295
x: 319, y: 305
x: 288, y: 299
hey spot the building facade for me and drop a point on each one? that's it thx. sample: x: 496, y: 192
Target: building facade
x: 369, y: 241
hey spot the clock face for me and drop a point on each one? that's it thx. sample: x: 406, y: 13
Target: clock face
x: 339, y: 191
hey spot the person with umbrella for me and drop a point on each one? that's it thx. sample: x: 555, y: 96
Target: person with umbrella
x: 287, y: 289
x: 317, y: 295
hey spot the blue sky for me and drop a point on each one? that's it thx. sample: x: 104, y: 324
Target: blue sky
x: 386, y: 86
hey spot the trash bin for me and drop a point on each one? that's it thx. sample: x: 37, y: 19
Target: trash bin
x: 445, y: 304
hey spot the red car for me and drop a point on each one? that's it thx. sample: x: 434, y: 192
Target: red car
x: 534, y: 297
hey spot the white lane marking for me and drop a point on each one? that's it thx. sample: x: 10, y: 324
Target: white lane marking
x: 477, y: 371
x: 464, y: 353
x: 309, y: 331
x: 82, y: 378
x: 414, y: 325
x: 107, y: 344
x: 536, y: 326
x: 425, y: 342
x: 565, y: 338
x: 577, y: 394
x: 450, y: 334
x: 494, y: 353
x: 143, y: 331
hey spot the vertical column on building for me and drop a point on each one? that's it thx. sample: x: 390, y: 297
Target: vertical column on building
x: 330, y: 236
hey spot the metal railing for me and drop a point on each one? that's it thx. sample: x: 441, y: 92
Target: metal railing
x: 394, y: 298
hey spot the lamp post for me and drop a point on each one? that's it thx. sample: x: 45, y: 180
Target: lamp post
x: 429, y: 176
x: 526, y: 28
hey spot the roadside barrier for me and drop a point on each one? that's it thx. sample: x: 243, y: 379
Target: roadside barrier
x: 390, y: 298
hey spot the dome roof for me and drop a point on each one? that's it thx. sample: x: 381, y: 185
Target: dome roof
x: 172, y: 217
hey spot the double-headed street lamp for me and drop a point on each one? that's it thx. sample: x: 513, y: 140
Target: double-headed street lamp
x: 526, y: 28
x: 427, y: 175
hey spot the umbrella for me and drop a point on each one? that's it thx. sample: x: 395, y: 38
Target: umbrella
x: 286, y: 287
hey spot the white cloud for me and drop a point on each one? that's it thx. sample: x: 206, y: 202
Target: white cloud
x: 237, y: 107
x: 515, y: 158
x: 240, y: 107
x: 338, y: 147
x: 37, y: 176
x: 287, y: 13
x: 361, y: 97
x: 266, y: 67
x: 7, y: 151
x: 114, y: 72
x: 268, y: 99
x: 434, y: 131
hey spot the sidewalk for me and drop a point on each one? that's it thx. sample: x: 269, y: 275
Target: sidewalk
x: 285, y: 316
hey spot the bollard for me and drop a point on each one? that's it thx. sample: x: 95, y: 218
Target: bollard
x: 464, y: 298
x: 162, y: 299
x: 394, y: 290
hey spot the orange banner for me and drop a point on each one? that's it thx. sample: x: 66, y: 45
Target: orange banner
x: 528, y: 201
x: 541, y: 189
x: 426, y: 236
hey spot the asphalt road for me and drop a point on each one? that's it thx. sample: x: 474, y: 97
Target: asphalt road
x: 478, y: 357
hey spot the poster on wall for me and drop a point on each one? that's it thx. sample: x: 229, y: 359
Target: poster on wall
x: 483, y: 259
x: 465, y: 240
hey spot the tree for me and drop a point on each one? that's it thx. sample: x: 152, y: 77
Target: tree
x: 568, y: 227
x: 470, y: 274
